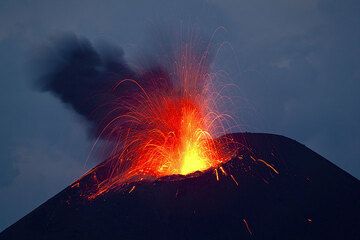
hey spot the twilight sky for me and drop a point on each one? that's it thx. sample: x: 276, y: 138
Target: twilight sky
x: 296, y: 65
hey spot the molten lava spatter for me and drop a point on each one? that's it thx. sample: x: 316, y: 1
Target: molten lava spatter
x: 166, y: 125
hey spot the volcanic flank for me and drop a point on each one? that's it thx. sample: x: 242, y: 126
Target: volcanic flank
x: 306, y: 197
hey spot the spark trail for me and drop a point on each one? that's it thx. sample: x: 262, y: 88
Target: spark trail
x: 167, y: 125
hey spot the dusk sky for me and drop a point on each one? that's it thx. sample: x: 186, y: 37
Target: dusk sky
x: 296, y: 65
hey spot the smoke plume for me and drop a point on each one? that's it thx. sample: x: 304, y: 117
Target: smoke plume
x: 84, y: 78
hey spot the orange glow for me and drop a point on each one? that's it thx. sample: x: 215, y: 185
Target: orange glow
x: 269, y: 166
x: 167, y: 127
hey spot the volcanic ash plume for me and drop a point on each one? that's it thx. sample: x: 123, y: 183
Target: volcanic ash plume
x: 156, y: 121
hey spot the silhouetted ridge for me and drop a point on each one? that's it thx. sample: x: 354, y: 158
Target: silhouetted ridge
x: 310, y: 198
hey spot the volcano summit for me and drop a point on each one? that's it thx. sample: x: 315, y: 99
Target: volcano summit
x: 273, y: 188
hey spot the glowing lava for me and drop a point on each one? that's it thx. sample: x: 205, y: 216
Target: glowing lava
x: 195, y: 151
x: 166, y: 125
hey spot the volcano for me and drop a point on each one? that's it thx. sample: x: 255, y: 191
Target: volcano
x: 274, y: 188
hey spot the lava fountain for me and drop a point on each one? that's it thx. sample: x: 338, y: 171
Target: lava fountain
x: 165, y: 125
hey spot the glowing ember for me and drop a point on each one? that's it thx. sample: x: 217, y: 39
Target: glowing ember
x: 166, y: 125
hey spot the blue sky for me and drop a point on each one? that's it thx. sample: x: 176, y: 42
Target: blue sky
x: 296, y: 65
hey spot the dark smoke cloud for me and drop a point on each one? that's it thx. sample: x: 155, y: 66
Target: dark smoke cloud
x: 83, y: 76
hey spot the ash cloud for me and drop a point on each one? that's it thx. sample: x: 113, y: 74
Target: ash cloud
x: 86, y: 78
x: 83, y: 76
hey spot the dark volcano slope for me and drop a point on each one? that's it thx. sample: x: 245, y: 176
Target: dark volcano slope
x: 310, y: 198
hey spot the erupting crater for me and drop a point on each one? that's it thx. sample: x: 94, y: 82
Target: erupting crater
x: 165, y: 125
